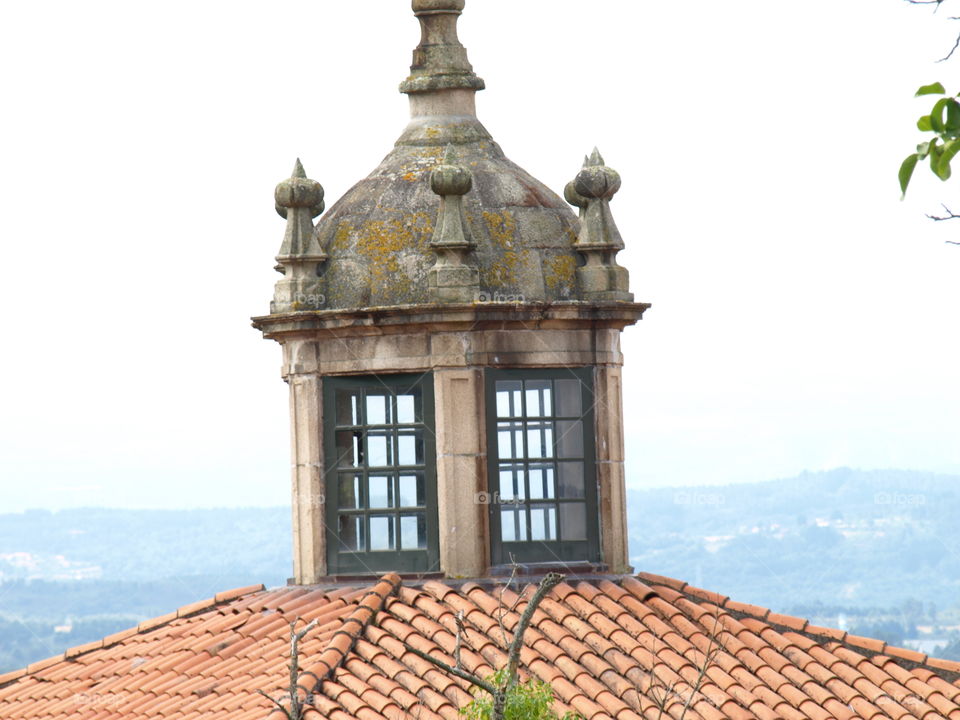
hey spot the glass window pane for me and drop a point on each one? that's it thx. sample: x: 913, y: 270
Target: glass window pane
x: 573, y: 521
x: 378, y: 409
x: 571, y: 479
x: 409, y: 448
x: 543, y: 522
x: 349, y: 451
x: 412, y: 491
x: 538, y: 398
x: 382, y: 532
x: 349, y: 497
x: 568, y: 398
x: 407, y: 409
x: 569, y: 438
x: 380, y: 489
x: 509, y: 440
x: 379, y: 448
x: 513, y: 525
x: 348, y: 407
x: 540, y: 440
x: 508, y: 398
x: 413, y: 531
x: 512, y: 486
x: 542, y: 483
x: 508, y: 532
x: 350, y: 532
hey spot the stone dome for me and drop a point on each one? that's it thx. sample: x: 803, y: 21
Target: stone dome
x: 377, y: 236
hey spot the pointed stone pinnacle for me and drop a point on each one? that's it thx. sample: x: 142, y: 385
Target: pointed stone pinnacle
x: 450, y: 155
x: 298, y: 171
x: 596, y: 158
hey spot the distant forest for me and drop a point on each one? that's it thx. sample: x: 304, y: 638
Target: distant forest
x: 879, y: 551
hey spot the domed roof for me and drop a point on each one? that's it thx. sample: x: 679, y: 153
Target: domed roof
x: 378, y: 235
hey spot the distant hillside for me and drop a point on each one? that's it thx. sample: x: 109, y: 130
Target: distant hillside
x: 879, y: 548
x: 843, y: 538
x: 146, y: 545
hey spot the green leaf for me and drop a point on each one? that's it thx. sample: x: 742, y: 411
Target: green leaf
x: 906, y: 172
x: 936, y: 151
x: 950, y: 149
x: 936, y: 115
x: 953, y: 115
x: 934, y: 89
x: 924, y: 124
x: 923, y: 149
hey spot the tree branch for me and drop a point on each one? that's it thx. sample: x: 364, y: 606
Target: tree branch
x: 550, y: 581
x: 462, y: 674
x: 949, y: 216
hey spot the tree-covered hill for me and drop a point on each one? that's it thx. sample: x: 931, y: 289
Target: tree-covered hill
x: 843, y: 538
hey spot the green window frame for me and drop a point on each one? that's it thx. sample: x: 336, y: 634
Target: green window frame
x: 380, y: 474
x: 541, y: 466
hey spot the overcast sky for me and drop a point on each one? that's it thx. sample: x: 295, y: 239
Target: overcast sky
x: 803, y: 317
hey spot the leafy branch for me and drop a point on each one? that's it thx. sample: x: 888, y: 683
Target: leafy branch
x: 508, y: 699
x: 943, y: 121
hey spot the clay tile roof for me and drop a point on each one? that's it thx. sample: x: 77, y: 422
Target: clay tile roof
x: 614, y: 648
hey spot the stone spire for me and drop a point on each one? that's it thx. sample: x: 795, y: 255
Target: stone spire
x: 451, y: 279
x: 599, y: 241
x: 299, y: 200
x: 439, y: 61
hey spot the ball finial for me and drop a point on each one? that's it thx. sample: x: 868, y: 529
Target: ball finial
x: 299, y: 191
x: 596, y: 180
x: 449, y: 178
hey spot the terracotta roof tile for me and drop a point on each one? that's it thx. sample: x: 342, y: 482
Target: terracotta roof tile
x: 610, y: 648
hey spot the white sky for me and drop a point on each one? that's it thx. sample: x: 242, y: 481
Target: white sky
x: 803, y: 317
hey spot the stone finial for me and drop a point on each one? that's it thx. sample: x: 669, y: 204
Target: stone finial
x: 599, y: 241
x: 451, y: 279
x: 299, y: 199
x: 439, y: 61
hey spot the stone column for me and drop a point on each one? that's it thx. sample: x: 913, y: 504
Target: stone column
x: 461, y: 468
x: 610, y: 473
x: 306, y: 449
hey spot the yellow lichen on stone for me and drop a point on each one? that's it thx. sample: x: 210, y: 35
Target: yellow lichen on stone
x: 381, y: 242
x: 502, y: 228
x: 561, y: 271
x: 410, y: 176
x: 341, y: 238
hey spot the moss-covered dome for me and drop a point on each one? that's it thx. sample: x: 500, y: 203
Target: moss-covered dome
x: 377, y: 236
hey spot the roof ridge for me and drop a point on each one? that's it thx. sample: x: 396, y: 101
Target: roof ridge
x: 146, y: 626
x: 343, y: 640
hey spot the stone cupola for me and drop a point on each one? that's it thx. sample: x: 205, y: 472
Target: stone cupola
x: 450, y: 333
